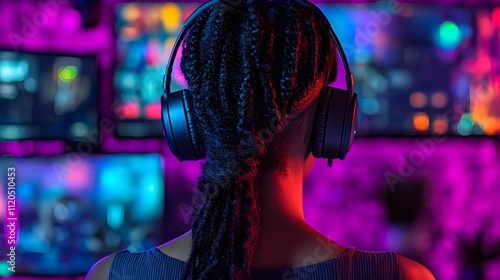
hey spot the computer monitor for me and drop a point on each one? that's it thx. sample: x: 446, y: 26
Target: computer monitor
x: 74, y: 210
x: 47, y: 96
x: 145, y: 34
x: 421, y: 69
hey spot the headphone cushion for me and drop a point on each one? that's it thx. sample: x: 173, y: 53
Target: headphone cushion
x: 178, y: 126
x: 350, y: 124
x: 320, y: 119
x: 195, y: 141
x: 335, y: 124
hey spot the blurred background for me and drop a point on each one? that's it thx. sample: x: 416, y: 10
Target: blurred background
x: 80, y: 85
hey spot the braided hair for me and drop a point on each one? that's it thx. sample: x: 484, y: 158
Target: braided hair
x: 247, y: 68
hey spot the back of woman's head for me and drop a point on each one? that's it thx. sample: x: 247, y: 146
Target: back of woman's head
x: 248, y: 67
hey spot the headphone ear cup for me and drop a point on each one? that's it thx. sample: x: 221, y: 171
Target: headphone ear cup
x: 319, y: 127
x: 350, y: 124
x: 178, y: 126
x: 334, y: 124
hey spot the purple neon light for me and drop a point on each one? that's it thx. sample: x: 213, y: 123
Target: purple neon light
x: 31, y: 147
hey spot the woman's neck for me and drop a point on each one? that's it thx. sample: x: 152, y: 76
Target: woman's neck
x: 285, y: 236
x: 281, y: 199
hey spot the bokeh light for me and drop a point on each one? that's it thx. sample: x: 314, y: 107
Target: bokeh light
x: 370, y: 106
x: 450, y: 35
x: 130, y: 32
x: 172, y: 17
x: 68, y: 73
x: 131, y: 12
x: 440, y: 126
x: 418, y: 99
x: 465, y: 125
x: 4, y: 269
x: 489, y: 126
x: 439, y: 100
x: 421, y: 122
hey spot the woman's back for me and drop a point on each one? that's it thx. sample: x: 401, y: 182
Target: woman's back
x: 352, y: 264
x: 168, y: 261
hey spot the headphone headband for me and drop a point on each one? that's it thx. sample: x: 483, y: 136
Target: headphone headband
x: 203, y: 8
x: 334, y: 121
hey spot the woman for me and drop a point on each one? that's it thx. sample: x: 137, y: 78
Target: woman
x: 255, y: 72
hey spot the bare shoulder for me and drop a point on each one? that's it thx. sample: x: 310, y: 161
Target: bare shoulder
x: 179, y: 248
x: 412, y: 270
x: 100, y: 270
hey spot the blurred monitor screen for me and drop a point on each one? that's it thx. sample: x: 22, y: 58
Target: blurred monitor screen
x: 75, y: 210
x: 47, y: 96
x: 418, y: 69
x: 145, y: 34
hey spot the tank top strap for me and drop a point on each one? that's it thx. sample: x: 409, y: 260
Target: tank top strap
x: 350, y: 255
x: 380, y: 265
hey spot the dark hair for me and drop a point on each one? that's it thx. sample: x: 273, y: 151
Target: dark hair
x: 247, y: 68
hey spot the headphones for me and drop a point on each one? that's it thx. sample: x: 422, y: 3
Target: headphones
x: 334, y: 122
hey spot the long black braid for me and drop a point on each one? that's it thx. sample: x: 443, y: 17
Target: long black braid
x: 245, y: 67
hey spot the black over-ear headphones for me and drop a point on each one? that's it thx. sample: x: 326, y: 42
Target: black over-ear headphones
x: 334, y: 123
